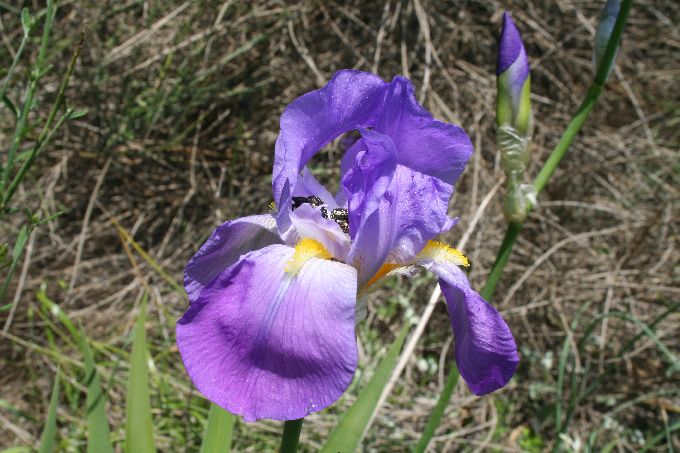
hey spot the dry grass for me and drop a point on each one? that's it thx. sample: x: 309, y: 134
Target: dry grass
x: 184, y: 100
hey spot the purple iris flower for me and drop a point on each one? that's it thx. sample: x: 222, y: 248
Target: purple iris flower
x: 274, y: 298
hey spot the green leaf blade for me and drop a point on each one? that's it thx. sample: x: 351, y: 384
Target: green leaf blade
x: 218, y: 431
x: 138, y: 425
x: 49, y: 435
x: 98, y: 432
x: 350, y: 429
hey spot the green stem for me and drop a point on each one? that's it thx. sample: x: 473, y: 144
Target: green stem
x: 36, y: 74
x: 17, y: 57
x: 438, y: 412
x: 291, y: 435
x: 504, y: 252
x: 513, y: 229
x: 562, y: 146
x: 47, y: 132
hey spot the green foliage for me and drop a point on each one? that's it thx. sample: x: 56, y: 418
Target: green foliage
x: 353, y: 423
x: 98, y: 433
x: 438, y: 411
x: 218, y: 431
x: 49, y: 435
x: 138, y: 424
x: 19, y: 163
x: 530, y: 442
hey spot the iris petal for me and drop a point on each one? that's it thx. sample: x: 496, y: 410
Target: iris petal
x: 309, y: 223
x: 422, y: 143
x: 370, y: 166
x: 224, y: 247
x: 393, y: 209
x: 486, y: 353
x: 351, y: 99
x: 265, y: 344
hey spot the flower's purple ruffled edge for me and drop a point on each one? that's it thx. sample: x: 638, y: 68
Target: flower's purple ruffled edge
x: 408, y: 206
x: 353, y: 100
x: 486, y: 352
x: 224, y: 247
x: 422, y: 143
x: 264, y: 344
x: 350, y: 100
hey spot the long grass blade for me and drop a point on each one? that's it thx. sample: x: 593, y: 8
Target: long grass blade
x: 218, y: 431
x: 438, y: 412
x: 98, y: 432
x: 350, y: 430
x: 16, y: 255
x: 49, y: 435
x: 138, y: 426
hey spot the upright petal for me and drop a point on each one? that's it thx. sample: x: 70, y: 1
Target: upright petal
x: 393, y: 209
x: 308, y: 185
x: 224, y: 247
x: 422, y: 143
x: 350, y: 100
x: 264, y: 343
x: 486, y: 353
x: 368, y: 171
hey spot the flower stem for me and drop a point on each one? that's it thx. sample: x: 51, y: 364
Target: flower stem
x: 438, y: 411
x: 504, y: 252
x: 513, y: 229
x: 291, y: 435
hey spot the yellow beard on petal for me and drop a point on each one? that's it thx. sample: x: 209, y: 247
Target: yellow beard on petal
x: 384, y: 270
x: 442, y: 253
x: 306, y: 249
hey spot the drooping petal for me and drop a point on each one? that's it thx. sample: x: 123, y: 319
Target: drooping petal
x: 486, y: 353
x: 264, y: 343
x: 422, y: 143
x: 350, y: 100
x: 225, y: 246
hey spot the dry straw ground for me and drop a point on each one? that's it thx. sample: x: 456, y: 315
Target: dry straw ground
x: 184, y: 100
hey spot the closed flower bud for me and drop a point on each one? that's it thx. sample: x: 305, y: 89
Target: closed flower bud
x: 514, y: 120
x: 604, y: 31
x: 513, y: 106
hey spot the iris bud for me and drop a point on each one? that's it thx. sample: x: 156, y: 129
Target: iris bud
x: 604, y: 31
x: 513, y: 80
x: 514, y: 120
